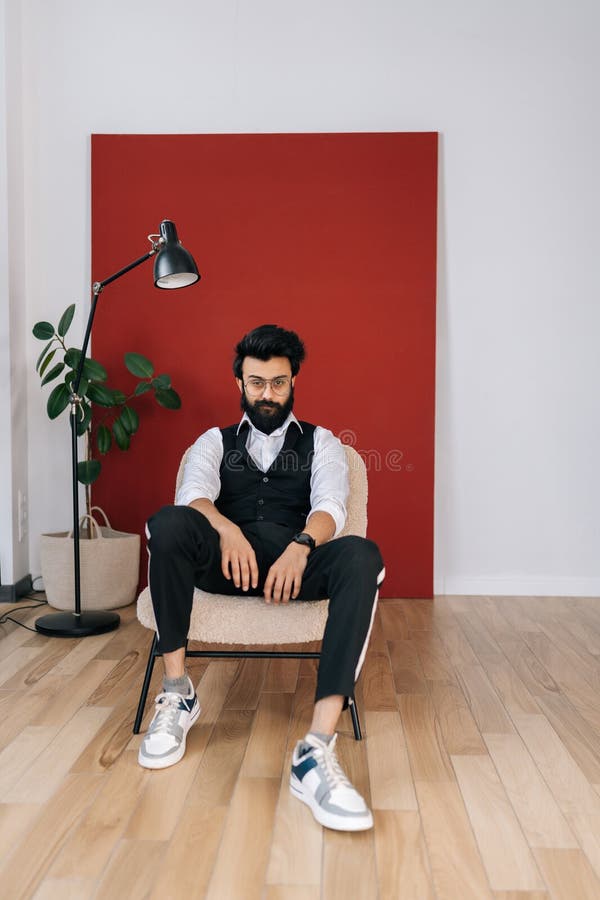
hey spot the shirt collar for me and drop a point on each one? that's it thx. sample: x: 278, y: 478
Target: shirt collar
x: 278, y: 431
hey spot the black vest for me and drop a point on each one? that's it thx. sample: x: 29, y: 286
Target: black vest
x: 281, y: 494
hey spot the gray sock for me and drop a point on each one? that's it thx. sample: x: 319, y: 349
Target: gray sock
x: 176, y: 685
x: 326, y: 738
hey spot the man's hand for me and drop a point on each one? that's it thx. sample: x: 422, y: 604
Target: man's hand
x: 285, y: 575
x: 238, y: 560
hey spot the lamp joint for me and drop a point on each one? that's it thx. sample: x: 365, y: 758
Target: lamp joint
x: 157, y: 240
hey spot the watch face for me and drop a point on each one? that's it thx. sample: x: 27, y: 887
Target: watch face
x: 305, y: 539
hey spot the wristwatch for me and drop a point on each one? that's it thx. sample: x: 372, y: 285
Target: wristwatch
x: 305, y: 539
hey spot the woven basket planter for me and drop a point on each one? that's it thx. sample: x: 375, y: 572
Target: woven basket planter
x: 109, y: 561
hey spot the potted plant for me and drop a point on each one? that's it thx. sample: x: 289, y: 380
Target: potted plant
x: 107, y: 418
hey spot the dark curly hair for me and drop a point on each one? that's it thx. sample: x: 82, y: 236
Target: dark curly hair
x: 267, y: 341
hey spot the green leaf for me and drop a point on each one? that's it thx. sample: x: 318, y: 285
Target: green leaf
x: 129, y: 419
x: 120, y: 435
x: 83, y: 387
x: 162, y: 382
x: 88, y: 471
x: 83, y: 383
x: 92, y: 370
x: 65, y: 320
x: 47, y: 362
x: 53, y: 373
x: 142, y: 388
x: 119, y: 397
x: 85, y: 417
x: 138, y: 365
x: 58, y: 400
x: 169, y: 399
x: 43, y: 331
x: 72, y: 357
x: 42, y: 354
x: 99, y: 394
x: 103, y: 439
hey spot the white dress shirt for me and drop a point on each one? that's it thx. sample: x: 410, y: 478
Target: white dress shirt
x: 328, y: 477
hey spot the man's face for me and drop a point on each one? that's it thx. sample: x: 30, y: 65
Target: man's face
x: 268, y: 407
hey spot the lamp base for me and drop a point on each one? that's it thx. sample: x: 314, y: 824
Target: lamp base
x: 67, y: 624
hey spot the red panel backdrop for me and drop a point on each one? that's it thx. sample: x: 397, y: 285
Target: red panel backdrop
x: 332, y: 235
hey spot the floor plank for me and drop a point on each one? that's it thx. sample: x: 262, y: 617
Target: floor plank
x: 88, y: 851
x: 428, y: 756
x: 33, y: 856
x: 16, y: 820
x: 218, y: 770
x: 568, y: 874
x: 460, y: 733
x: 571, y: 789
x: 132, y: 871
x: 349, y: 865
x: 47, y: 772
x: 391, y: 779
x: 506, y: 856
x: 401, y: 854
x: 538, y: 812
x: 246, y: 839
x: 266, y: 747
x: 197, y: 837
x: 456, y: 866
x: 296, y: 850
x: 65, y: 889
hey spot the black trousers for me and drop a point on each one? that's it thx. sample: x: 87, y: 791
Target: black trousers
x: 185, y: 553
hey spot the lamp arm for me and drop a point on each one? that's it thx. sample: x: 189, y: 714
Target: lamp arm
x: 96, y: 290
x: 98, y: 285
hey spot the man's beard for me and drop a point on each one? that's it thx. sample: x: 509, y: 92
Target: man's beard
x: 262, y: 417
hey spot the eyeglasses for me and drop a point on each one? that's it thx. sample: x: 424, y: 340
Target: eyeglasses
x: 257, y: 386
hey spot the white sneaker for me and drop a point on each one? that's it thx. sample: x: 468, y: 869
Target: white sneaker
x: 319, y: 781
x: 164, y: 742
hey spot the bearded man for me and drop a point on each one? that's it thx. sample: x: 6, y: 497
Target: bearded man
x: 257, y: 508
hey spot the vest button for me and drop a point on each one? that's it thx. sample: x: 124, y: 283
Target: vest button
x: 260, y: 518
x: 260, y: 502
x: 265, y: 479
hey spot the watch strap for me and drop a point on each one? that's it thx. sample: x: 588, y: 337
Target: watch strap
x: 305, y: 539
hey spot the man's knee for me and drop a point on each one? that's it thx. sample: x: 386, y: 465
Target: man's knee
x: 360, y: 554
x: 169, y: 527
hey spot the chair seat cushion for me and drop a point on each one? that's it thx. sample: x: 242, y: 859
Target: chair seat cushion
x: 221, y: 619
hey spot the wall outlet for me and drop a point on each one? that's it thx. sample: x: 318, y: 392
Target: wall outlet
x: 22, y: 515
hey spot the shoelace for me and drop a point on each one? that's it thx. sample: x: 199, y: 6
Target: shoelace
x: 168, y: 710
x: 335, y: 775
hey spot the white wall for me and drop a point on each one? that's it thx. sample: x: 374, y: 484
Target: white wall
x: 512, y: 87
x: 6, y: 529
x: 13, y: 365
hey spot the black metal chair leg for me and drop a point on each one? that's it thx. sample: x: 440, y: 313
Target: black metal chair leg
x: 355, y: 719
x: 237, y: 654
x: 144, y: 695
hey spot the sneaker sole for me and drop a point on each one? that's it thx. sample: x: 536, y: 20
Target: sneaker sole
x: 327, y: 819
x: 150, y: 763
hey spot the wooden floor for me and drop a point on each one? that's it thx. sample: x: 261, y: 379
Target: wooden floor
x: 481, y: 763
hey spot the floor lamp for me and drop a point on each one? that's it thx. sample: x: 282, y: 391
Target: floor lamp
x: 174, y: 268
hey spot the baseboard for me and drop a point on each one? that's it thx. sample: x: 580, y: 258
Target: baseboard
x: 10, y: 593
x: 518, y: 586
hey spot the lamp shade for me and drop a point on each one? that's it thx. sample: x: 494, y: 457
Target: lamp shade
x: 174, y: 266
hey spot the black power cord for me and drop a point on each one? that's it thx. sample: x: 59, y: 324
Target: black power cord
x: 8, y: 617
